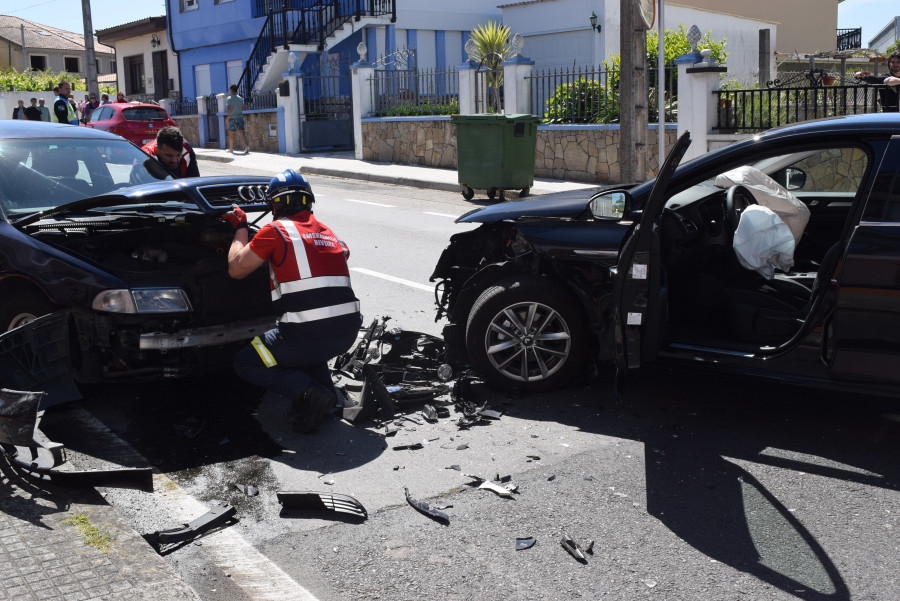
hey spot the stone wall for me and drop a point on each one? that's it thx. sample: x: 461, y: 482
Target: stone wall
x: 574, y: 153
x: 430, y: 143
x: 256, y: 126
x: 190, y: 128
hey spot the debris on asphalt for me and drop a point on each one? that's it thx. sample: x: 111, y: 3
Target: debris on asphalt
x: 533, y: 457
x: 318, y: 501
x: 569, y: 544
x: 423, y: 508
x: 219, y: 516
x: 525, y: 543
x: 247, y: 489
x: 409, y: 447
x: 590, y: 548
x: 453, y: 467
x: 489, y: 413
x: 551, y: 478
x: 496, y: 488
x: 462, y: 447
x: 430, y: 413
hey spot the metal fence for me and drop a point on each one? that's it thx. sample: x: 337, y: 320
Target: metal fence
x: 185, y: 106
x: 756, y: 110
x: 591, y: 95
x: 261, y: 100
x: 405, y: 92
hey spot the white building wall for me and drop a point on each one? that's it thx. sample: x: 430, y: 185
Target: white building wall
x: 458, y: 15
x: 141, y: 46
x: 887, y: 36
x: 426, y: 55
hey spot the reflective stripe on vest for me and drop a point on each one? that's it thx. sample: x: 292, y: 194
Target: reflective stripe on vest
x: 265, y: 354
x: 320, y: 313
x: 70, y: 112
x: 322, y: 281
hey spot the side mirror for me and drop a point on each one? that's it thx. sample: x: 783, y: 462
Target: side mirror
x: 791, y: 178
x: 610, y: 205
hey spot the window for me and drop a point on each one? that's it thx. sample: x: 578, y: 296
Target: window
x: 112, y: 67
x: 187, y: 5
x: 221, y: 1
x: 72, y: 64
x: 234, y: 69
x: 38, y: 62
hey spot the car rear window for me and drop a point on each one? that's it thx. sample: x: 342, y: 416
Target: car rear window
x: 145, y: 114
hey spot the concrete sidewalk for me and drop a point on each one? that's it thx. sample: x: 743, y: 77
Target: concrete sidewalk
x: 44, y: 556
x: 344, y: 165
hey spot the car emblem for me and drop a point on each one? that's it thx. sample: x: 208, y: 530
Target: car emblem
x: 151, y: 126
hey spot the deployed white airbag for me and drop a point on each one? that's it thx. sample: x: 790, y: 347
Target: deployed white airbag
x: 763, y: 241
x: 771, y: 194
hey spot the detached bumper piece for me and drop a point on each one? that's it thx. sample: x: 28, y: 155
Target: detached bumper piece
x: 321, y: 501
x: 34, y: 457
x: 387, y: 368
x: 219, y: 516
x: 425, y: 509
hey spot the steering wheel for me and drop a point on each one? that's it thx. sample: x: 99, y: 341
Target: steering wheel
x: 737, y: 199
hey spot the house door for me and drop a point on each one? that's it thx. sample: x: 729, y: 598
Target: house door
x: 160, y: 75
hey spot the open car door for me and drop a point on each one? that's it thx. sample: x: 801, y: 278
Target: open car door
x: 639, y: 289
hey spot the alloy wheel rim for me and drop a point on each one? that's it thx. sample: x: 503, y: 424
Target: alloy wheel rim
x: 528, y: 342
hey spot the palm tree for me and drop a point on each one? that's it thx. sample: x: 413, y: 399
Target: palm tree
x: 491, y: 48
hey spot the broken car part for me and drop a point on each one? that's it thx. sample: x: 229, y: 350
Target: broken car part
x: 314, y: 501
x: 525, y: 543
x: 423, y: 508
x: 220, y: 515
x: 33, y: 456
x: 572, y: 547
x: 247, y: 489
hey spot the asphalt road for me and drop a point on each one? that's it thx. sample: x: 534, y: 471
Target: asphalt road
x: 689, y: 489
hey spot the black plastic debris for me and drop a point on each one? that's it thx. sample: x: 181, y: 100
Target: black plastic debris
x: 453, y: 467
x: 321, y: 501
x: 533, y: 457
x: 390, y: 429
x: 425, y: 509
x: 219, y: 516
x: 551, y: 478
x: 569, y: 544
x: 247, y: 489
x: 430, y: 413
x: 590, y: 548
x: 525, y: 543
x: 18, y: 416
x: 409, y: 447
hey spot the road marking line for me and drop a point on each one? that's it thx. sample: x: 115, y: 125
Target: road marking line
x: 366, y: 202
x: 441, y: 214
x: 391, y: 278
x: 254, y: 573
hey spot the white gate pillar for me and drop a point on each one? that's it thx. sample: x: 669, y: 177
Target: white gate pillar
x: 361, y: 88
x: 290, y: 100
x: 516, y: 85
x: 203, y: 126
x: 698, y: 76
x: 466, y: 73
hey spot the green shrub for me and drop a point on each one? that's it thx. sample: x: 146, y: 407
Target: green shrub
x: 44, y: 81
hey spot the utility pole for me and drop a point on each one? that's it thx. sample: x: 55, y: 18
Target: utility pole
x: 633, y: 98
x: 89, y: 47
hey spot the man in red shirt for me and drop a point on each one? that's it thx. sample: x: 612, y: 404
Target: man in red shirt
x: 310, y: 284
x: 173, y: 152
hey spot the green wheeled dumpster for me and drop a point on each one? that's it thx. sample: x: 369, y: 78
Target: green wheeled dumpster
x: 495, y: 153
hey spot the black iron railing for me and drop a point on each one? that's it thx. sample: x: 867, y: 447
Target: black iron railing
x: 185, y: 106
x: 303, y: 22
x: 407, y: 92
x: 756, y: 110
x: 849, y: 39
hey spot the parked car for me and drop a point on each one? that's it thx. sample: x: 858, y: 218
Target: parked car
x: 136, y: 122
x: 647, y: 274
x: 109, y: 274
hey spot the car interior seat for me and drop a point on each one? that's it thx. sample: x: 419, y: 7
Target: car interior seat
x: 61, y: 165
x: 774, y: 311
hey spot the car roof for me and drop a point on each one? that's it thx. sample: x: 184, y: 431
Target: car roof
x: 133, y: 105
x: 21, y: 129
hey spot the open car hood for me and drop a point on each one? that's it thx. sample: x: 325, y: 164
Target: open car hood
x: 211, y: 194
x: 561, y: 204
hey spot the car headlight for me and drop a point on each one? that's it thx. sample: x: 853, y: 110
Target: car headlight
x: 142, y: 300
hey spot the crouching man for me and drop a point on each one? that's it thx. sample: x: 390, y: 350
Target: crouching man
x: 311, y: 290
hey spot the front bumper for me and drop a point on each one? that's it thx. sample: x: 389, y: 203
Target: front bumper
x: 209, y: 336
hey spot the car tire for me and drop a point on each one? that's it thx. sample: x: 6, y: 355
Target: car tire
x: 24, y: 307
x: 496, y: 343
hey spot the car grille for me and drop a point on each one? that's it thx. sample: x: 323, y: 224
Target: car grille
x: 225, y: 196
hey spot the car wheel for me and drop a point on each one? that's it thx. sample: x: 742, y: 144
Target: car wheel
x: 24, y: 308
x: 526, y: 333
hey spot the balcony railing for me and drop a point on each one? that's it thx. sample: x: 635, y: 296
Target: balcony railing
x: 849, y: 39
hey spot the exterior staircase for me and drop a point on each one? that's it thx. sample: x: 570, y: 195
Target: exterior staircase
x: 305, y: 26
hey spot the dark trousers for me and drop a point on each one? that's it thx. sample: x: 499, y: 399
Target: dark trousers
x: 297, y: 362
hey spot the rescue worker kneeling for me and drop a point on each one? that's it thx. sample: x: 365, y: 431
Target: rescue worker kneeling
x: 311, y: 290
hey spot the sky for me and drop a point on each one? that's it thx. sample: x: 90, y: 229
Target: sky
x: 871, y: 15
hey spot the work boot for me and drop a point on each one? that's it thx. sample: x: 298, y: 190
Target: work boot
x: 315, y: 401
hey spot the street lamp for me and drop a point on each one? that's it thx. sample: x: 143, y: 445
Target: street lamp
x: 154, y: 41
x: 594, y: 24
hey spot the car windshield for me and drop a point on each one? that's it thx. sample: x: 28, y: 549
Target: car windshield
x: 145, y: 114
x: 42, y: 173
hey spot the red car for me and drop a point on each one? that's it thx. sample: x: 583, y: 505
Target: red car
x: 136, y: 122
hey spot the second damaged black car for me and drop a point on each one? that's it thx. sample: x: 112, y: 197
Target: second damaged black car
x: 660, y: 272
x: 108, y: 273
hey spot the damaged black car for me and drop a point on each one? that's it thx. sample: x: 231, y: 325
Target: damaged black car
x: 109, y: 273
x: 777, y: 256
